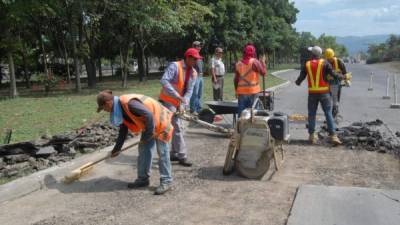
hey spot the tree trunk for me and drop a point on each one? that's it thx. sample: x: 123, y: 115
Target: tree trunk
x: 141, y: 61
x: 78, y: 86
x: 124, y: 71
x: 66, y: 63
x: 43, y: 52
x: 112, y: 67
x: 27, y: 75
x: 90, y: 71
x: 100, y: 71
x: 273, y: 59
x: 11, y: 71
x: 147, y: 66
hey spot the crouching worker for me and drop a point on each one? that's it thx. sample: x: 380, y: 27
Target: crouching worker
x: 139, y: 113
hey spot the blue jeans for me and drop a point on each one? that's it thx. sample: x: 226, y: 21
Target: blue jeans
x: 244, y: 102
x: 195, y: 100
x: 326, y: 103
x: 145, y: 159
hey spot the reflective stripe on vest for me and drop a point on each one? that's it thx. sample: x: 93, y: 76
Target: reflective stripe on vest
x: 316, y: 82
x: 248, y: 79
x: 161, y: 117
x: 165, y: 96
x: 336, y: 65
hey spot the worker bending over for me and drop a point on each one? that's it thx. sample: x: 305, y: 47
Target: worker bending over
x: 139, y: 113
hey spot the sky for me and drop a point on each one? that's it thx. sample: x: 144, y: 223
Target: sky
x: 348, y: 17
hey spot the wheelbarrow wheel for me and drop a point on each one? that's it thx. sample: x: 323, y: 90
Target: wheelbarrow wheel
x: 207, y: 115
x: 230, y: 157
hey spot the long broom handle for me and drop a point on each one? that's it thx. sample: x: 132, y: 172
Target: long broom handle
x: 108, y: 156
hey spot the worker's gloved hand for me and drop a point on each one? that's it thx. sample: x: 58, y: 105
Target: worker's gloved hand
x: 348, y: 76
x: 115, y: 153
x: 183, y: 100
x: 297, y: 83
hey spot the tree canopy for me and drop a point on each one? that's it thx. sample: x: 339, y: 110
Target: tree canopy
x: 43, y: 35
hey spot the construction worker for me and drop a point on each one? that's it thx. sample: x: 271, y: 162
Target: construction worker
x: 317, y: 70
x: 177, y: 86
x: 139, y: 113
x: 246, y: 80
x: 335, y: 84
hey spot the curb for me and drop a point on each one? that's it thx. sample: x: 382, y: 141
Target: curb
x: 280, y: 86
x: 37, y: 181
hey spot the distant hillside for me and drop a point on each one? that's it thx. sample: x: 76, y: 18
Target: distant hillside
x: 355, y: 44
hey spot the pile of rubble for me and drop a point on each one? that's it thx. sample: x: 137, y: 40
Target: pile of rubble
x: 371, y: 136
x: 23, y: 158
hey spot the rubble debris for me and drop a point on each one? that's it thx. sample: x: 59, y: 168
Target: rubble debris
x: 23, y: 158
x: 371, y: 136
x: 46, y: 151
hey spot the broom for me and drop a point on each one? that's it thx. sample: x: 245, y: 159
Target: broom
x: 85, y: 169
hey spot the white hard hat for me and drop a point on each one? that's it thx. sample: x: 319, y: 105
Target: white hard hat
x: 316, y: 50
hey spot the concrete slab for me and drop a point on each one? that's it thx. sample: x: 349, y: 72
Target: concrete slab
x: 330, y: 205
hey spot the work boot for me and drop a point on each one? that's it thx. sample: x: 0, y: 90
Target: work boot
x: 173, y: 158
x: 185, y: 162
x: 138, y: 184
x: 162, y: 189
x: 335, y: 140
x: 313, y: 138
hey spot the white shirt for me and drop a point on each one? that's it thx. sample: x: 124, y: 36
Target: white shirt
x: 218, y: 65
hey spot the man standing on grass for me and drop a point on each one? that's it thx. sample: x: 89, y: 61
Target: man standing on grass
x: 247, y: 84
x: 139, y: 113
x: 177, y: 86
x: 195, y: 100
x: 218, y: 72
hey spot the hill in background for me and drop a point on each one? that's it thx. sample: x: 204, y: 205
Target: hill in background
x: 356, y: 44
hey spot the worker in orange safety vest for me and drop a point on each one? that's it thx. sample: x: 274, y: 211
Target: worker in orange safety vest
x: 247, y: 72
x: 138, y: 113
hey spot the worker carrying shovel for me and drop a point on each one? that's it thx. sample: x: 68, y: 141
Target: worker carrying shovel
x: 139, y: 113
x: 178, y: 82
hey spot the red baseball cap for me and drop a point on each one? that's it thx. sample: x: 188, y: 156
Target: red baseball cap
x: 193, y: 52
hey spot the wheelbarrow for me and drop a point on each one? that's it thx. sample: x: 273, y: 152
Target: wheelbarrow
x: 218, y: 108
x: 264, y: 101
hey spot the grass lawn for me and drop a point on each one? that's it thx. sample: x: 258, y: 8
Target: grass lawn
x: 33, y: 114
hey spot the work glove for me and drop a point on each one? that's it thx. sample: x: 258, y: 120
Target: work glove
x: 348, y: 76
x: 115, y: 153
x: 297, y: 83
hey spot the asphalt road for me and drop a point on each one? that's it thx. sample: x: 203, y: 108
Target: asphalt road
x: 357, y: 103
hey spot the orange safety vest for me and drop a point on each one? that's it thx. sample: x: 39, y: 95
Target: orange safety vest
x: 248, y: 79
x: 161, y: 116
x: 315, y: 77
x: 164, y: 96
